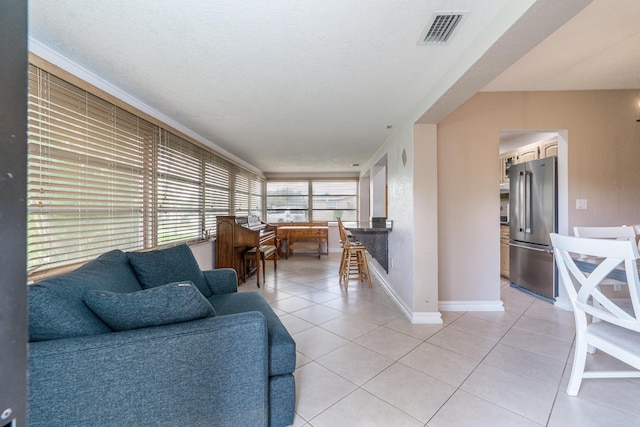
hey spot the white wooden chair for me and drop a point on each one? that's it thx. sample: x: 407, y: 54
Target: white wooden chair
x: 636, y: 228
x: 620, y: 233
x: 618, y: 332
x: 614, y: 232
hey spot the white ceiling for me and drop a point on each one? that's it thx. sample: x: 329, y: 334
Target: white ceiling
x: 597, y: 49
x: 310, y: 87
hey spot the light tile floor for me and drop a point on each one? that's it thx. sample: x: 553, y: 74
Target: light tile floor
x: 360, y: 362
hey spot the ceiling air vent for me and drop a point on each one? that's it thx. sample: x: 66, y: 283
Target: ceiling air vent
x: 441, y: 28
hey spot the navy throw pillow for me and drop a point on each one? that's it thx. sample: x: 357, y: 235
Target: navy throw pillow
x: 162, y: 305
x: 176, y: 264
x: 56, y: 309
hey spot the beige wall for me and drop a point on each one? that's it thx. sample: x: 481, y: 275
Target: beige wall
x: 603, y: 157
x: 425, y: 207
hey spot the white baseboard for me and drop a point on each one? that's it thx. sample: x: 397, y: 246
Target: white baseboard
x: 563, y: 304
x: 471, y: 306
x: 425, y: 317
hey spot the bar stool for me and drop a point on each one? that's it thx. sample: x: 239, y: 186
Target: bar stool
x: 356, y: 266
x: 353, y: 264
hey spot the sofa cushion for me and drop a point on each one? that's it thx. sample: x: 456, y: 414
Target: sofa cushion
x: 162, y: 305
x: 56, y: 309
x: 282, y: 348
x: 176, y: 264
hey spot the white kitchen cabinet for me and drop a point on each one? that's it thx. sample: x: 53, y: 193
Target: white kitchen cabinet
x: 506, y: 160
x: 528, y: 152
x: 548, y: 149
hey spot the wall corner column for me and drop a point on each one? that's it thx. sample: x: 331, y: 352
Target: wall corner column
x: 425, y: 205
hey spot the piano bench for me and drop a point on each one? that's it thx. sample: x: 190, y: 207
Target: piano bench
x: 260, y: 256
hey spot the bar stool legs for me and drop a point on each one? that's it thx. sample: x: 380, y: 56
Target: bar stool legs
x: 353, y: 265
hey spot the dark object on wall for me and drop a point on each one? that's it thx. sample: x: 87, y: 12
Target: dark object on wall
x: 13, y: 215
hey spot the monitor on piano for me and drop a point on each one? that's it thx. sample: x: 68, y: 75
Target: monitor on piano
x: 236, y: 235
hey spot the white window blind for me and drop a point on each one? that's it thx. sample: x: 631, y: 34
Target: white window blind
x: 85, y: 175
x: 180, y: 190
x: 217, y: 197
x: 101, y: 178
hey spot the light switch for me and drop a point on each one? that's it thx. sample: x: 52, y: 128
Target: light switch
x: 581, y: 203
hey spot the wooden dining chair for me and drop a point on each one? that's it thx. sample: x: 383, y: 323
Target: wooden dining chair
x: 618, y: 331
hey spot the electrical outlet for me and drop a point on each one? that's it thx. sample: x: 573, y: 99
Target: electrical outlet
x: 617, y: 287
x: 581, y: 203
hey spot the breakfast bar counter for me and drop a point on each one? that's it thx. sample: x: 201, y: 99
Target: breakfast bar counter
x: 375, y: 238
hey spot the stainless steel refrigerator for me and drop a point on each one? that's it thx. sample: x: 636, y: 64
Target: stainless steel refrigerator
x: 533, y: 189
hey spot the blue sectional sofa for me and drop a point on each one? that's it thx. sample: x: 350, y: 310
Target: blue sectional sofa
x: 148, y: 339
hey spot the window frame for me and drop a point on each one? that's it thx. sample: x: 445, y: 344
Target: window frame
x: 293, y: 212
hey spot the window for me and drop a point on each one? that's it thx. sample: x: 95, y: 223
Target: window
x: 101, y: 178
x: 287, y: 201
x: 312, y: 200
x: 335, y: 199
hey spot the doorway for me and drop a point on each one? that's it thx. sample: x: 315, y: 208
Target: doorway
x: 518, y: 144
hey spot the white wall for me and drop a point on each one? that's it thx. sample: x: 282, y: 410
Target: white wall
x: 379, y: 190
x: 364, y: 198
x: 204, y: 254
x: 411, y: 159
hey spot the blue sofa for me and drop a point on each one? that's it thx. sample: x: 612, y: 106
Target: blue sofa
x: 147, y: 338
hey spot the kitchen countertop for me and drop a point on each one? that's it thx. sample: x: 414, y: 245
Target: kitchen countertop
x: 369, y: 226
x: 375, y: 238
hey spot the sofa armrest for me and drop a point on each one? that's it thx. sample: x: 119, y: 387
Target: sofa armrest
x: 222, y: 280
x: 210, y: 371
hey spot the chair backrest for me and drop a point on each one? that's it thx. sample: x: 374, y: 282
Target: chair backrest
x: 620, y: 233
x: 613, y: 232
x: 343, y: 232
x: 582, y: 287
x: 636, y: 228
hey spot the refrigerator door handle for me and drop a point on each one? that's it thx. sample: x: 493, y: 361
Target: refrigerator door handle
x: 549, y: 251
x: 521, y: 205
x: 527, y: 201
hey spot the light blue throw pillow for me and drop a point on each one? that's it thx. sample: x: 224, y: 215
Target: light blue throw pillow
x: 161, y: 305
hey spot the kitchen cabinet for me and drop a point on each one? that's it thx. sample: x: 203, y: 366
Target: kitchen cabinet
x: 506, y: 160
x: 528, y: 152
x: 504, y: 251
x: 549, y: 149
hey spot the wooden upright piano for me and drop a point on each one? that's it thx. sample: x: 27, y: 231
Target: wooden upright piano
x: 243, y: 238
